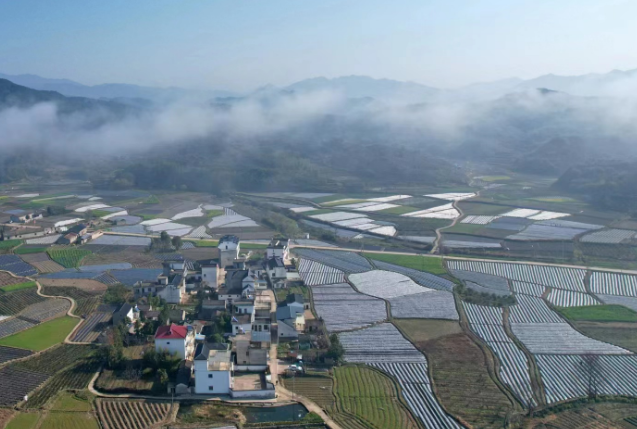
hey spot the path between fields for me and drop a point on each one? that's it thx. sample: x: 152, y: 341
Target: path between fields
x: 455, y: 205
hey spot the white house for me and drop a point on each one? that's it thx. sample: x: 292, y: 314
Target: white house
x: 277, y: 249
x: 214, y: 371
x: 209, y: 273
x: 242, y: 323
x: 276, y: 272
x: 229, y: 247
x: 175, y: 339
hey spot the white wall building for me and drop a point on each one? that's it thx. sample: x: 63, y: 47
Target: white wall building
x: 214, y: 371
x: 175, y: 339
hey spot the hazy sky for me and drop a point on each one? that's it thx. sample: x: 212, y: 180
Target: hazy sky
x: 243, y: 44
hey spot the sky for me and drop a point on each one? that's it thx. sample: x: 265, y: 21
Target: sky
x: 243, y: 44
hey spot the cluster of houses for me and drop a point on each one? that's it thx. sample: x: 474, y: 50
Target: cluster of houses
x: 238, y: 291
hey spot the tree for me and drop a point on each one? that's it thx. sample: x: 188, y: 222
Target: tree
x: 218, y: 338
x: 335, y: 350
x: 163, y: 376
x: 177, y: 243
x: 165, y: 239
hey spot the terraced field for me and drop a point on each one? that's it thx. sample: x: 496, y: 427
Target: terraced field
x: 42, y: 262
x: 15, y: 302
x: 68, y: 258
x: 131, y: 414
x: 7, y: 279
x: 91, y: 327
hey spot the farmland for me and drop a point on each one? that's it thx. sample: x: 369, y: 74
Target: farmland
x: 7, y: 279
x: 623, y: 335
x: 342, y: 308
x: 314, y: 273
x: 420, y: 277
x: 18, y: 286
x: 131, y: 414
x: 385, y: 284
x: 68, y: 258
x: 42, y: 336
x: 344, y: 261
x: 24, y: 421
x: 16, y: 301
x: 421, y: 263
x: 69, y: 420
x: 428, y: 305
x: 42, y: 262
x: 600, y: 313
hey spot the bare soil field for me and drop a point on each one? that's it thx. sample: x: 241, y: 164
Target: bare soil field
x: 7, y: 279
x: 620, y: 334
x: 419, y: 330
x: 42, y: 262
x: 86, y: 285
x: 200, y: 253
x: 137, y: 259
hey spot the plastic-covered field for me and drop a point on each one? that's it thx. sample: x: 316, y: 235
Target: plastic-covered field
x: 613, y: 284
x: 309, y: 242
x: 16, y: 265
x: 551, y: 230
x: 335, y: 216
x: 46, y: 310
x: 530, y: 309
x: 167, y: 226
x: 386, y: 284
x: 608, y: 236
x: 121, y: 240
x: 527, y: 288
x: 198, y: 212
x: 130, y: 277
x: 302, y: 209
x: 344, y: 261
x: 560, y: 338
x: 567, y: 298
x: 343, y: 309
x: 619, y: 300
x: 494, y: 284
x: 131, y: 229
x: 478, y: 220
x: 467, y: 244
x: 314, y: 273
x: 49, y: 239
x: 429, y: 305
x: 389, y: 198
x: 377, y: 207
x: 420, y: 277
x: 340, y: 232
x: 446, y: 211
x: 452, y: 196
x: 105, y: 267
x: 199, y: 232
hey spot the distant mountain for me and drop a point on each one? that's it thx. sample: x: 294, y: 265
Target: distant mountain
x: 615, y: 83
x: 110, y: 90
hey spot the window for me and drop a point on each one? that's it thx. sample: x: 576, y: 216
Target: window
x: 209, y: 375
x: 265, y: 327
x: 211, y: 388
x: 168, y: 343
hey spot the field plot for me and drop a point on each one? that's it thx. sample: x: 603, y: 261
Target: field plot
x: 566, y: 376
x: 16, y: 265
x: 42, y: 262
x: 530, y: 309
x: 49, y: 239
x: 343, y: 309
x: 446, y: 211
x: 556, y: 277
x: 17, y: 382
x: 56, y: 359
x: 375, y: 207
x: 86, y: 305
x: 487, y: 323
x: 131, y: 414
x: 492, y: 284
x: 105, y: 267
x: 371, y: 397
x: 92, y: 327
x: 428, y: 305
x: 91, y: 286
x: 314, y: 273
x: 129, y: 229
x: 46, y: 310
x: 560, y: 338
x: 527, y: 288
x: 339, y: 232
x: 199, y: 232
x: 136, y: 258
x: 231, y: 219
x: 523, y: 213
x: 7, y: 279
x: 385, y: 284
x: 453, y: 196
x: 130, y: 277
x: 608, y: 236
x: 345, y: 261
x: 121, y: 240
x: 567, y: 298
x: 68, y: 258
x: 10, y: 353
x: 469, y: 243
x: 41, y: 336
x: 70, y: 420
x: 513, y: 224
x: 11, y: 326
x: 619, y: 300
x: 479, y: 220
x: 613, y: 284
x: 420, y: 277
x: 310, y: 242
x: 316, y: 387
x: 14, y: 302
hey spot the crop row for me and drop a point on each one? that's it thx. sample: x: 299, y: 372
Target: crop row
x: 420, y: 277
x: 527, y: 288
x: 608, y: 236
x: 14, y: 325
x: 344, y: 261
x: 342, y: 308
x: 572, y: 376
x: 493, y: 284
x: 429, y: 305
x: 71, y: 292
x: 56, y: 359
x: 15, y: 383
x: 619, y: 300
x: 16, y: 265
x: 46, y: 310
x: 567, y: 298
x: 199, y: 232
x: 7, y: 279
x: 382, y: 343
x: 131, y: 414
x: 556, y: 277
x: 314, y: 273
x: 414, y: 382
x: 14, y: 302
x: 68, y: 258
x: 487, y: 323
x: 479, y: 220
x: 10, y: 353
x: 86, y: 305
x: 385, y: 284
x: 613, y: 284
x: 530, y: 309
x: 90, y: 328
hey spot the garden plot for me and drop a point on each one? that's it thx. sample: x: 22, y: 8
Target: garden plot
x: 429, y: 305
x: 567, y: 298
x: 446, y: 211
x: 528, y: 288
x: 46, y: 310
x: 487, y: 323
x: 425, y: 279
x: 49, y: 239
x: 613, y: 284
x: 386, y: 284
x: 344, y: 309
x: 416, y: 389
x: 121, y: 240
x: 130, y: 277
x: 530, y: 309
x: 608, y: 236
x: 493, y: 284
x: 16, y: 265
x: 552, y: 230
x: 567, y: 376
x: 335, y: 216
x: 479, y: 220
x: 452, y: 196
x: 314, y: 273
x: 199, y: 232
x: 556, y: 277
x: 560, y: 339
x: 382, y: 343
x: 344, y: 261
x: 619, y: 300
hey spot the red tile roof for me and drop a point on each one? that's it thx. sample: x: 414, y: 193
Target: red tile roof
x: 172, y: 332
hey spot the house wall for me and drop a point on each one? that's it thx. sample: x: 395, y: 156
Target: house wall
x: 247, y: 328
x: 209, y: 274
x: 228, y: 297
x: 172, y: 346
x: 286, y: 331
x: 221, y: 381
x: 172, y: 295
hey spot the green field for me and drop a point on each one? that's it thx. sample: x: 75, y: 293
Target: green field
x: 253, y: 246
x: 151, y: 200
x: 69, y: 402
x: 281, y: 294
x: 100, y: 213
x: 70, y: 420
x: 8, y: 244
x: 429, y: 264
x: 494, y: 178
x: 29, y: 250
x: 25, y: 285
x: 207, y: 243
x: 371, y: 397
x: 399, y: 210
x: 24, y: 421
x: 42, y: 336
x: 600, y: 313
x: 68, y: 258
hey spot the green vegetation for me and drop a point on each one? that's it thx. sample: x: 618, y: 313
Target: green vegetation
x: 100, y: 213
x: 429, y: 264
x: 372, y: 397
x: 213, y: 213
x: 70, y: 420
x: 399, y: 210
x: 25, y: 285
x: 28, y: 250
x: 620, y: 334
x: 42, y: 336
x: 24, y: 421
x: 599, y: 313
x: 253, y: 246
x: 145, y: 216
x: 484, y: 298
x: 9, y: 244
x: 207, y: 243
x: 554, y: 199
x: 68, y: 258
x: 4, y: 197
x: 317, y: 212
x: 494, y: 178
x: 151, y: 200
x: 340, y: 202
x: 473, y: 208
x: 281, y: 294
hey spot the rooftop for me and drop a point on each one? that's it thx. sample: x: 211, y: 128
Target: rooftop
x: 229, y: 238
x: 171, y: 332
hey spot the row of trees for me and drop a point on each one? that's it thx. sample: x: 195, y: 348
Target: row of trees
x: 165, y: 242
x: 484, y: 298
